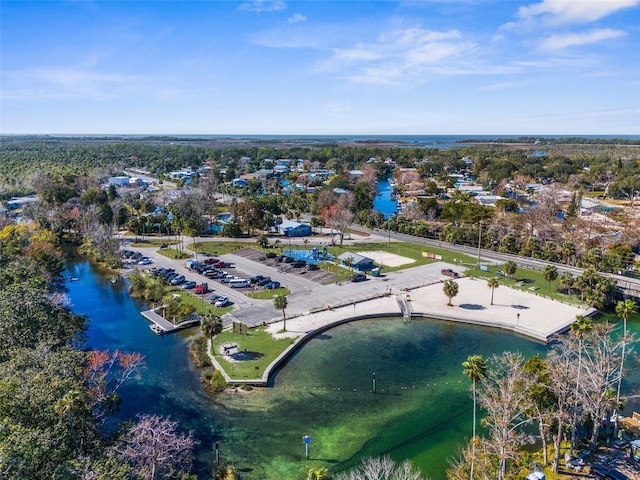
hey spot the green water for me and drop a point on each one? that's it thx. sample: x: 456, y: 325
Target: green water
x: 422, y: 410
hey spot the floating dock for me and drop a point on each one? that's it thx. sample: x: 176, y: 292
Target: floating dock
x: 160, y: 325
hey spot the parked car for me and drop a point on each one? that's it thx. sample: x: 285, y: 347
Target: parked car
x: 449, y: 273
x: 358, y: 277
x: 215, y: 298
x: 272, y: 285
x: 312, y: 266
x: 264, y: 280
x: 298, y: 264
x: 270, y: 255
x: 211, y: 260
x: 227, y: 278
x: 222, y: 302
x: 202, y: 288
x: 239, y: 283
x: 255, y: 279
x: 188, y: 285
x: 286, y: 259
x: 145, y: 261
x: 178, y: 279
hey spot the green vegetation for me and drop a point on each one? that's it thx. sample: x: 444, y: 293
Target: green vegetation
x: 413, y: 251
x: 217, y: 247
x: 268, y: 294
x: 153, y: 243
x: 257, y: 341
x: 174, y: 254
x: 201, y: 305
x: 198, y: 351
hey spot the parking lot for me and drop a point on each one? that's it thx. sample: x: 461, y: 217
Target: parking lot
x: 319, y: 276
x: 309, y: 291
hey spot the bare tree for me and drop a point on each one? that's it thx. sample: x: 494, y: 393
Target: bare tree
x: 601, y: 359
x: 504, y: 394
x: 154, y: 449
x: 376, y: 468
x: 338, y: 218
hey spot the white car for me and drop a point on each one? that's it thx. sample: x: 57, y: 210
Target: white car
x: 222, y: 302
x: 145, y: 261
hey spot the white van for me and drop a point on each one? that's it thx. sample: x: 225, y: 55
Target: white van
x: 239, y: 283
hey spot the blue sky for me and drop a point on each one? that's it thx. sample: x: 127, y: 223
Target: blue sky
x: 321, y: 67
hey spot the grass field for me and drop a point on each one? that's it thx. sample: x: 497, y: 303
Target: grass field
x: 413, y: 251
x: 201, y: 305
x: 257, y: 341
x: 268, y: 294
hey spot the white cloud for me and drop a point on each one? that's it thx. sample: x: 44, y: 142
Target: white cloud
x: 259, y: 6
x: 556, y: 12
x: 296, y: 18
x: 401, y: 57
x: 560, y: 41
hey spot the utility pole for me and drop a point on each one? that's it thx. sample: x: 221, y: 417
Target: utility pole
x: 479, y: 240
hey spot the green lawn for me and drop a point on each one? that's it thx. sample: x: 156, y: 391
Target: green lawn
x: 201, y: 305
x: 216, y: 247
x: 174, y: 254
x: 527, y: 280
x: 266, y: 294
x: 257, y: 341
x: 152, y: 242
x: 413, y: 251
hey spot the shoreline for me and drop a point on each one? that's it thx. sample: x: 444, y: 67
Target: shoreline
x: 523, y: 314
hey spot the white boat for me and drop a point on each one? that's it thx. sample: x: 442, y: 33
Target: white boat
x: 157, y: 329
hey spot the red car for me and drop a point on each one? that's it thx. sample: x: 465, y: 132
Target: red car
x: 202, y: 288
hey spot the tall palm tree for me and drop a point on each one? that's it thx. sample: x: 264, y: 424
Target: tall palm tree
x: 493, y: 283
x: 211, y: 325
x: 581, y: 327
x: 280, y: 303
x: 475, y: 367
x: 623, y: 310
x: 450, y: 289
x: 550, y: 273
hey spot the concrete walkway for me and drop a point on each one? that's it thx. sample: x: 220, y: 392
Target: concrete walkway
x: 523, y: 313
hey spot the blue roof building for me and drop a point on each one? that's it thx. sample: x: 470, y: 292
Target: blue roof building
x: 289, y: 228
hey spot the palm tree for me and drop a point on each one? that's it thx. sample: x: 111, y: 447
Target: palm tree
x: 550, y: 273
x: 493, y: 283
x: 510, y: 268
x: 568, y: 251
x: 566, y: 282
x: 450, y: 289
x: 475, y: 367
x: 623, y: 310
x: 280, y: 303
x: 211, y: 325
x: 581, y: 327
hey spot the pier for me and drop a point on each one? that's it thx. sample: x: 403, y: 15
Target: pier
x: 160, y: 325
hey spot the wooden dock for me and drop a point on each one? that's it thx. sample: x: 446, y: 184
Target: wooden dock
x: 161, y: 325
